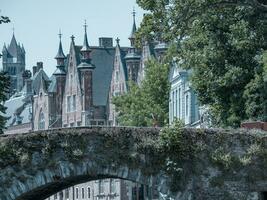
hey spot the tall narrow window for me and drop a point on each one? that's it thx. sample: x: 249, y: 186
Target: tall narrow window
x: 176, y: 101
x: 77, y: 193
x: 83, y: 194
x: 41, y: 123
x: 101, y: 187
x: 112, y: 186
x: 186, y: 105
x: 89, y: 192
x: 67, y: 193
x: 117, y: 76
x: 61, y: 195
x: 179, y: 103
x: 173, y: 104
x: 68, y: 103
x: 74, y: 103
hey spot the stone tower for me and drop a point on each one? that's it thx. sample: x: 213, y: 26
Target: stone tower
x: 133, y: 57
x: 14, y: 64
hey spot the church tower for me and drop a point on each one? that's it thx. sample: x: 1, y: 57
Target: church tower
x: 14, y: 64
x: 132, y: 58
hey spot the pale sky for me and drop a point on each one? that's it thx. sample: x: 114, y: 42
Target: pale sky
x: 37, y: 23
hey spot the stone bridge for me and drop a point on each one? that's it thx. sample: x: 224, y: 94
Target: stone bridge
x: 188, y: 164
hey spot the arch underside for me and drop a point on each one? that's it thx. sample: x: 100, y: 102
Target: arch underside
x: 49, y: 189
x: 49, y: 182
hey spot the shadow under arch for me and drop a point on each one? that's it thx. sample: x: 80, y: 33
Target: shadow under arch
x: 49, y: 189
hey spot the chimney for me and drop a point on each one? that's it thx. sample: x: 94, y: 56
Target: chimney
x: 39, y: 65
x: 105, y: 42
x: 26, y: 75
x: 34, y: 70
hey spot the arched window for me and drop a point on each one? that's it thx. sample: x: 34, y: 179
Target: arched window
x: 41, y: 123
x: 89, y: 192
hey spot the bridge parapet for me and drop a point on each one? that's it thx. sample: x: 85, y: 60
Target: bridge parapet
x: 192, y: 163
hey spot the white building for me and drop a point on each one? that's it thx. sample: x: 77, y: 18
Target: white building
x: 183, y: 102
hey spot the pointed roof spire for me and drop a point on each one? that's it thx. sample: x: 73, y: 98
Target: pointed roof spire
x: 85, y: 41
x: 22, y: 48
x: 132, y: 35
x: 4, y: 47
x: 60, y: 54
x: 12, y: 49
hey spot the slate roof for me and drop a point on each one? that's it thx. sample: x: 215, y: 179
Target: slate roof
x: 21, y: 105
x: 132, y: 35
x: 60, y: 53
x: 123, y: 52
x: 36, y: 80
x: 103, y: 59
x: 14, y: 48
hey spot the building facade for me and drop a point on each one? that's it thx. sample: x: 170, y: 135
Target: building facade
x: 14, y: 64
x: 183, y: 103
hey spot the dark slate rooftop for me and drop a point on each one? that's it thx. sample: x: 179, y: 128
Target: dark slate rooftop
x: 36, y: 80
x: 14, y: 48
x: 103, y: 60
x: 60, y: 53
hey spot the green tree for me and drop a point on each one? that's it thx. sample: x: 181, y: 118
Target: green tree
x: 4, y: 85
x: 4, y: 19
x: 146, y: 105
x: 223, y: 42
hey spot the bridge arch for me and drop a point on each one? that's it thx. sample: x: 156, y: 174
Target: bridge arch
x: 44, y: 162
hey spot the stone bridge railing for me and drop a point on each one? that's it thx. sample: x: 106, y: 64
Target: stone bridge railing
x: 192, y: 163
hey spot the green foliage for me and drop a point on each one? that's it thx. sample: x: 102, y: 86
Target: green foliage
x: 146, y: 105
x: 255, y: 93
x: 4, y: 85
x: 4, y: 19
x: 180, y: 151
x: 223, y: 44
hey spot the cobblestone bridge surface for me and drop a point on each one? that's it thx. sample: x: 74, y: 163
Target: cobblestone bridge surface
x: 223, y: 164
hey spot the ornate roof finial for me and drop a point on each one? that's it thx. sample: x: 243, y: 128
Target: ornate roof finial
x: 85, y: 46
x: 132, y: 35
x: 60, y: 34
x: 133, y: 14
x: 85, y: 26
x: 118, y: 41
x: 72, y: 38
x: 60, y: 54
